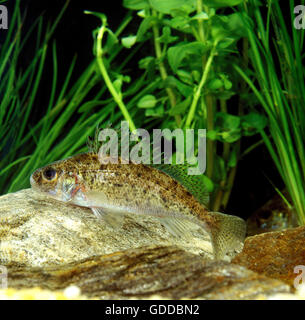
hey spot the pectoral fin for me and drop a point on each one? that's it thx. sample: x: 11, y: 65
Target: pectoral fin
x: 114, y: 219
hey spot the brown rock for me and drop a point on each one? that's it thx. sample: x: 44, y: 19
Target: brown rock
x: 274, y: 254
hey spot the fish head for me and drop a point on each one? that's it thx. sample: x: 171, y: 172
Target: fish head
x: 54, y: 181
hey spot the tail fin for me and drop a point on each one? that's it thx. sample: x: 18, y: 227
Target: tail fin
x: 229, y: 236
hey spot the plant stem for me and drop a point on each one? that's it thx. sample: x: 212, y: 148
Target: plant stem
x: 209, y: 99
x: 117, y: 97
x: 218, y: 198
x: 200, y: 22
x: 162, y: 69
x: 232, y: 172
x: 225, y: 155
x: 197, y: 93
x: 230, y: 183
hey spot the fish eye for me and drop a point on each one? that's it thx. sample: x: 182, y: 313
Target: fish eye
x: 49, y: 174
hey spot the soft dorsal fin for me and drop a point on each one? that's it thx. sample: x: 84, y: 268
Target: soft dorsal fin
x: 198, y: 185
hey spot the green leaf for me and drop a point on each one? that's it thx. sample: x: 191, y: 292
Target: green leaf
x: 157, y: 112
x: 200, y: 16
x: 136, y: 4
x: 129, y: 41
x: 166, y: 6
x: 253, y: 122
x: 144, y: 27
x: 226, y: 42
x: 146, y: 62
x: 118, y: 84
x: 228, y: 127
x: 166, y: 36
x: 225, y: 95
x: 185, y: 76
x: 141, y: 13
x: 212, y: 134
x: 208, y: 183
x: 232, y: 162
x: 215, y: 84
x: 180, y: 23
x: 148, y: 101
x: 219, y: 33
x: 222, y: 3
x: 227, y: 121
x: 228, y: 29
x: 170, y: 124
x: 177, y: 54
x: 237, y: 25
x: 180, y: 107
x: 172, y: 82
x: 111, y: 40
x: 227, y: 84
x: 220, y: 171
x: 196, y: 75
x: 231, y: 136
x: 184, y: 89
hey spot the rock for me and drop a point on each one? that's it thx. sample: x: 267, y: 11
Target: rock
x: 48, y: 246
x: 70, y: 293
x: 275, y: 254
x: 274, y: 215
x: 36, y: 231
x: 149, y: 272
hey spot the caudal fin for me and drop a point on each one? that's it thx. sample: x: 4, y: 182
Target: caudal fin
x: 229, y: 236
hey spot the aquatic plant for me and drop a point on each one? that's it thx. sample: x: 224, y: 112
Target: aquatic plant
x: 278, y: 81
x: 73, y: 111
x: 185, y: 79
x: 190, y: 46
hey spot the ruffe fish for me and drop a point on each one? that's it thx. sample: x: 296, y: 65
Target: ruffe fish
x: 111, y: 190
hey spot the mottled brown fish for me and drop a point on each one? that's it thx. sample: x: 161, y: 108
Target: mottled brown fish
x: 111, y: 190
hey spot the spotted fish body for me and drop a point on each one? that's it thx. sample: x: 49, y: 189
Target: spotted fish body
x: 111, y: 190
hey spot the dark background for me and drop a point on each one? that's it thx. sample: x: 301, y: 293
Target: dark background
x: 74, y: 36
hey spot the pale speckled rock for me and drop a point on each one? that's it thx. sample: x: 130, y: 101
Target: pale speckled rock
x: 48, y: 246
x: 36, y: 231
x: 70, y: 293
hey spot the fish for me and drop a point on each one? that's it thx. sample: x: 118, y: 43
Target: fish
x: 112, y: 190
